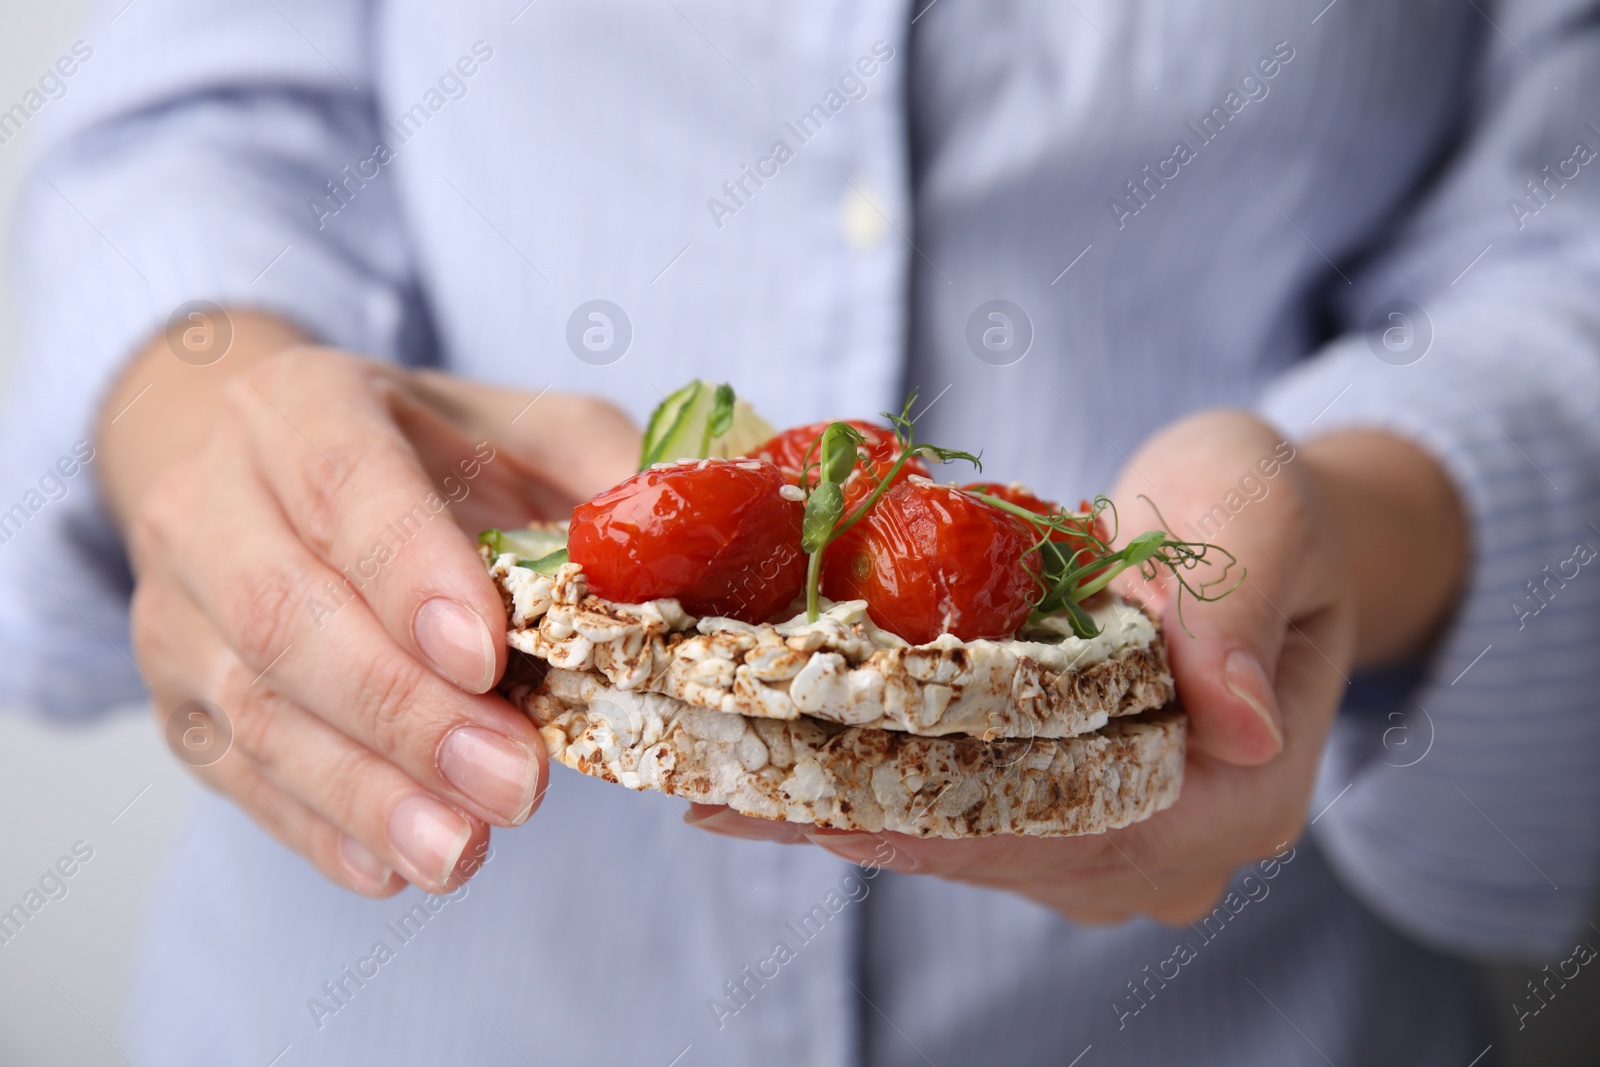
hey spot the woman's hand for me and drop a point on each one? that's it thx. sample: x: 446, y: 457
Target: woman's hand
x: 1355, y: 550
x: 308, y: 567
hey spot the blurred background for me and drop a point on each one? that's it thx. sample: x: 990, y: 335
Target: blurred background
x: 112, y: 786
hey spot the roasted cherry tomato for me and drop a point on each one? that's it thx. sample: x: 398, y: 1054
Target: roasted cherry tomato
x: 719, y: 535
x: 930, y: 559
x: 882, y: 448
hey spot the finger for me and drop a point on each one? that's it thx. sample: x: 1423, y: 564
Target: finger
x: 999, y: 860
x: 340, y: 859
x: 1222, y: 652
x: 386, y: 821
x: 717, y: 819
x: 370, y: 799
x: 495, y: 486
x: 261, y: 595
x: 1223, y: 682
x: 1180, y: 909
x: 324, y: 440
x: 542, y: 428
x: 1091, y: 879
x: 1227, y: 659
x: 865, y: 849
x: 1225, y: 652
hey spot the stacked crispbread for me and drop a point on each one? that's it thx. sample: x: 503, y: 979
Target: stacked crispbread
x: 835, y: 724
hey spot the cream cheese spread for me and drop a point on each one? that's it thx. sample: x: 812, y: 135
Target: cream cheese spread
x: 846, y: 628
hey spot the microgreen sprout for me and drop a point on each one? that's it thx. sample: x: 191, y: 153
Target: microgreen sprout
x: 838, y: 452
x: 1069, y: 576
x: 838, y: 456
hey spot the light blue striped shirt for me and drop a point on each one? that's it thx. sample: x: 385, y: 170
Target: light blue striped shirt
x: 1350, y: 215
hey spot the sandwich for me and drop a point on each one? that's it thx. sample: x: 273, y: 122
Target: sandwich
x: 807, y: 626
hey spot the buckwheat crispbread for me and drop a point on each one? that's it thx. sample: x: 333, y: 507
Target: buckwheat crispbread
x: 854, y: 778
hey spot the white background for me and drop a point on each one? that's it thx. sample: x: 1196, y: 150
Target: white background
x: 63, y: 979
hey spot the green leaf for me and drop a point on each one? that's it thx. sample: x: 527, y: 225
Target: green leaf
x: 1083, y: 624
x: 721, y: 418
x: 1055, y: 563
x: 545, y: 564
x: 823, y: 509
x: 1055, y: 558
x: 1144, y: 546
x: 666, y: 428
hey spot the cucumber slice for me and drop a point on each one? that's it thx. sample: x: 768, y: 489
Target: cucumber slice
x: 527, y: 544
x: 673, y: 424
x: 546, y: 564
x: 699, y: 420
x: 746, y: 432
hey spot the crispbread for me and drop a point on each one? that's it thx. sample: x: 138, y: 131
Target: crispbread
x: 853, y: 778
x: 979, y: 689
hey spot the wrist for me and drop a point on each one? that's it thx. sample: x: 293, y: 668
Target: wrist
x: 1405, y: 534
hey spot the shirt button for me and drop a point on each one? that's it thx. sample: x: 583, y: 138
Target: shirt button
x: 861, y: 217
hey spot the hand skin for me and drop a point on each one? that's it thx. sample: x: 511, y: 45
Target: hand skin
x: 366, y: 735
x: 1355, y: 556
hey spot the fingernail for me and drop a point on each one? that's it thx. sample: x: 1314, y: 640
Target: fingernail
x: 493, y: 770
x: 1248, y: 681
x: 457, y: 641
x: 362, y: 863
x: 429, y: 835
x: 731, y: 824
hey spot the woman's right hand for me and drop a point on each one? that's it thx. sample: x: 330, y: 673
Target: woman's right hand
x: 309, y: 569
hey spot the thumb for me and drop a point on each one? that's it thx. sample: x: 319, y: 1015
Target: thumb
x: 1240, y: 659
x: 1224, y: 656
x: 1281, y: 622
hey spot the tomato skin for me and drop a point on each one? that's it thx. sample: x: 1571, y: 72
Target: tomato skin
x: 788, y: 451
x: 929, y: 559
x: 717, y: 535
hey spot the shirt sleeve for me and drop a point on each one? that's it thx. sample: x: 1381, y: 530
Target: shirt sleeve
x: 181, y: 165
x: 1471, y: 818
